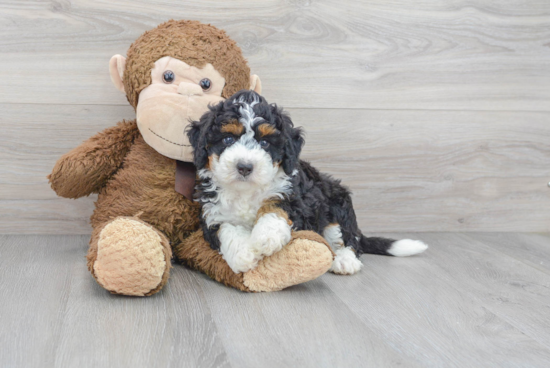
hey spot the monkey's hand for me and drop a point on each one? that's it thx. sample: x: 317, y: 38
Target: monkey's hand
x: 86, y: 169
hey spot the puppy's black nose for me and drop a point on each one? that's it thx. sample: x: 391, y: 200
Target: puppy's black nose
x: 244, y: 169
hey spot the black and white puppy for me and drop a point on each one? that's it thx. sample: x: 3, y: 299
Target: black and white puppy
x: 254, y: 189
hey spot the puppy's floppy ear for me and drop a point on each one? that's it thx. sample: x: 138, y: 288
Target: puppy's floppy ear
x: 294, y: 141
x: 197, y: 137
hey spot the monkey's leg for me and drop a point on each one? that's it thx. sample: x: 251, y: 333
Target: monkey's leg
x: 130, y: 257
x: 306, y: 257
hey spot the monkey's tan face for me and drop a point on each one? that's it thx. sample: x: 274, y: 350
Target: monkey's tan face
x: 178, y: 93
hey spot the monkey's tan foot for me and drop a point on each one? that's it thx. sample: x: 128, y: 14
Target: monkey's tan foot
x: 133, y: 258
x: 306, y: 257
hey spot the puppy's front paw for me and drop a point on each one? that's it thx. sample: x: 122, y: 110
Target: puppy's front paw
x: 346, y: 262
x: 235, y: 248
x: 242, y: 261
x: 270, y: 234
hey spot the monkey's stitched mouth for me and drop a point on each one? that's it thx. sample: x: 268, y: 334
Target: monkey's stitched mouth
x: 169, y: 141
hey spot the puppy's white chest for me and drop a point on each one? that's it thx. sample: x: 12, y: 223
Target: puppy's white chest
x: 243, y: 214
x: 236, y: 209
x: 246, y: 214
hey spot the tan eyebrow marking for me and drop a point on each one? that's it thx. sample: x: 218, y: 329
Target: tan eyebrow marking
x: 211, y: 159
x: 266, y: 129
x: 233, y: 127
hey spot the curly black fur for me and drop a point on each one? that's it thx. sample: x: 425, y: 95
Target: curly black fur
x: 316, y: 199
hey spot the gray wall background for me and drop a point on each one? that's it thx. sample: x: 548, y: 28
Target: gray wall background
x: 435, y: 113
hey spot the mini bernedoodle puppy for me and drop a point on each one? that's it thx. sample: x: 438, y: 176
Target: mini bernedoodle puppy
x: 254, y: 189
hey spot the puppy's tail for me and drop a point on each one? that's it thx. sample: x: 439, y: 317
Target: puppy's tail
x: 390, y: 247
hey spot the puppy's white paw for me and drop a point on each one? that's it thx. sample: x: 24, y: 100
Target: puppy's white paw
x: 242, y: 261
x: 235, y: 248
x: 270, y: 234
x: 345, y: 262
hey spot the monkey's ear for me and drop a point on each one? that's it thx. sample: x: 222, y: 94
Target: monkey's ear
x: 256, y: 84
x: 116, y: 70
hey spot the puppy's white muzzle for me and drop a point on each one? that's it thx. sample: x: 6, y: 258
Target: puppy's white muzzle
x: 245, y: 165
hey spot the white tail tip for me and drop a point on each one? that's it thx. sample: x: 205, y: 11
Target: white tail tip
x: 407, y: 247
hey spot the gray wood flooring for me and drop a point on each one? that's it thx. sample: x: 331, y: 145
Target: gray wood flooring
x: 472, y: 300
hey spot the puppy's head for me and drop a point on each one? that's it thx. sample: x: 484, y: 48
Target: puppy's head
x: 245, y: 142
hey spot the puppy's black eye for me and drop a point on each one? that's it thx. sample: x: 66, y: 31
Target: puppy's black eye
x: 168, y: 76
x: 264, y: 143
x: 205, y: 84
x: 228, y: 141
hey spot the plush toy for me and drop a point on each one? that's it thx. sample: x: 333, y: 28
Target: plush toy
x: 142, y: 171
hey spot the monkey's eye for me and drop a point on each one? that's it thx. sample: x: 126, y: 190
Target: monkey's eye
x: 264, y: 143
x: 205, y: 84
x: 168, y: 76
x: 228, y: 141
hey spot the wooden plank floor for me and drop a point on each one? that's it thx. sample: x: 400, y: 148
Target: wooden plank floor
x: 472, y: 300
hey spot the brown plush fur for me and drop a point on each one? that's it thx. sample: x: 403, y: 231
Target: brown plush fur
x: 132, y: 179
x: 196, y: 253
x: 135, y: 181
x: 96, y: 160
x: 196, y: 44
x: 142, y: 186
x: 145, y: 187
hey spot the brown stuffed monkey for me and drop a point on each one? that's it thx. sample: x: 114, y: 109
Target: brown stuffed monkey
x: 142, y: 173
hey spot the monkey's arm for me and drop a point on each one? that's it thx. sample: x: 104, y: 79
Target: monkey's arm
x: 85, y: 169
